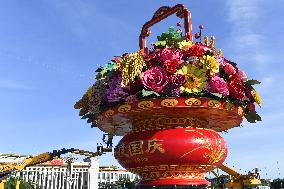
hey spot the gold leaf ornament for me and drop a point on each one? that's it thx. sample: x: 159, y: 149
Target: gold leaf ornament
x: 131, y: 67
x: 256, y: 97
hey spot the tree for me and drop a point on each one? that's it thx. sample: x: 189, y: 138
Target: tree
x: 12, y: 182
x: 126, y: 183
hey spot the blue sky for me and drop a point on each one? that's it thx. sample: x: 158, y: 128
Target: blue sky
x: 49, y: 50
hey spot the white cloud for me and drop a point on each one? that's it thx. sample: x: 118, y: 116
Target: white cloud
x: 84, y: 19
x: 244, y: 16
x: 14, y: 85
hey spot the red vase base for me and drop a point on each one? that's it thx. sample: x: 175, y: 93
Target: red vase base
x: 184, y: 182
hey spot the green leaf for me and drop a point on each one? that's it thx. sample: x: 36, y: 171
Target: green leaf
x: 90, y: 120
x: 253, y: 82
x: 171, y: 29
x: 110, y: 66
x: 146, y: 93
x: 86, y: 116
x: 98, y: 76
x: 160, y: 43
x: 252, y: 117
x: 217, y: 95
x: 99, y: 69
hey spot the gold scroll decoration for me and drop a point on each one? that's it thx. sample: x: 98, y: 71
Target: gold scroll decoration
x: 169, y: 102
x: 193, y: 102
x: 124, y: 108
x: 145, y: 104
x: 214, y: 104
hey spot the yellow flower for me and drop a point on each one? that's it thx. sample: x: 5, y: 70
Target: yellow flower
x: 210, y: 63
x: 131, y: 67
x: 256, y: 97
x: 195, y: 79
x: 185, y: 45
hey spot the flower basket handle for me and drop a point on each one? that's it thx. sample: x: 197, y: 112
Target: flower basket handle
x: 162, y: 13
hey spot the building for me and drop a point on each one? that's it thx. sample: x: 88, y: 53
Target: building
x: 59, y: 174
x: 111, y: 174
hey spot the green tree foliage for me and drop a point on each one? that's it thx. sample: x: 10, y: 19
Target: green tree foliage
x: 122, y: 183
x: 12, y: 182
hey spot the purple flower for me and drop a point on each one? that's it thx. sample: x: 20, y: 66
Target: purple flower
x: 169, y: 90
x: 155, y: 79
x: 115, y: 92
x: 218, y: 85
x: 177, y: 80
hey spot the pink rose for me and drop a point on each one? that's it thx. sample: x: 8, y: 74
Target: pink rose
x: 229, y: 69
x: 170, y: 54
x: 242, y: 75
x: 155, y: 79
x: 218, y: 85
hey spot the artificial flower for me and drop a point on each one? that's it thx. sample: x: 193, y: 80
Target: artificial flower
x: 170, y: 58
x: 185, y: 45
x: 170, y: 91
x: 168, y: 54
x: 155, y: 79
x: 196, y: 50
x: 130, y: 99
x: 251, y: 107
x: 220, y: 60
x: 177, y: 80
x: 171, y: 66
x: 131, y: 67
x: 115, y: 92
x: 229, y: 69
x: 111, y: 66
x: 218, y: 85
x: 242, y: 75
x: 236, y: 88
x: 173, y: 87
x: 195, y: 79
x: 256, y: 97
x: 210, y: 63
x: 135, y: 87
x: 98, y: 95
x: 83, y: 103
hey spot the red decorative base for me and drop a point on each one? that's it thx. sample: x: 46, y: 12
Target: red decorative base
x: 171, y: 182
x: 178, y: 156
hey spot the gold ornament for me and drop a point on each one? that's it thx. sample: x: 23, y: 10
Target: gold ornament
x: 206, y: 40
x: 220, y: 53
x: 212, y: 42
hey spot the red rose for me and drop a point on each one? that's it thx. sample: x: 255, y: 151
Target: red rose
x: 171, y: 65
x: 196, y: 50
x: 251, y: 107
x: 236, y: 88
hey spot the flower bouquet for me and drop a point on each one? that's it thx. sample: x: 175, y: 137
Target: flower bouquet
x: 173, y: 67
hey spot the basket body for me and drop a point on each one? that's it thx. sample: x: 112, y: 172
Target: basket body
x: 179, y: 156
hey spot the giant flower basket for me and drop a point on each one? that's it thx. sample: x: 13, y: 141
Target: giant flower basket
x: 169, y: 102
